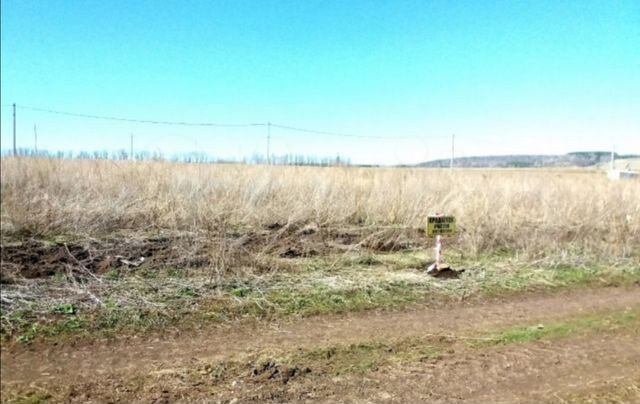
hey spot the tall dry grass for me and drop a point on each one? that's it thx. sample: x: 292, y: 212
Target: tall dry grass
x: 534, y: 211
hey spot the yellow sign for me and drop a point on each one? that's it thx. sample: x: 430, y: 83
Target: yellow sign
x: 441, y: 225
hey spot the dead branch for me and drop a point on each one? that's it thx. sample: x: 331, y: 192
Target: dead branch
x: 85, y: 269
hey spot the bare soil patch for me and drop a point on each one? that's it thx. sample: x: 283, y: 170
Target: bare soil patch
x: 34, y: 258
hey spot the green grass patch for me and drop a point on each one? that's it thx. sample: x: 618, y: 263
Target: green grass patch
x: 324, y: 300
x: 242, y: 302
x: 32, y: 398
x: 316, y: 286
x: 405, y: 261
x: 65, y: 308
x: 366, y: 260
x: 519, y: 277
x: 568, y: 275
x: 581, y: 325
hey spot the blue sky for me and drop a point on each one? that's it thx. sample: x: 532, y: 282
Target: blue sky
x: 504, y: 76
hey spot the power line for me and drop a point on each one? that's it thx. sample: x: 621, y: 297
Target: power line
x: 317, y: 132
x: 132, y: 120
x: 337, y: 134
x: 217, y: 124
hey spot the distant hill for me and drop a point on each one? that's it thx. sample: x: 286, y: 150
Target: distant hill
x: 576, y: 159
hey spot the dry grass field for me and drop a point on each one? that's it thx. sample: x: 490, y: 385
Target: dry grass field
x: 531, y: 211
x: 160, y: 282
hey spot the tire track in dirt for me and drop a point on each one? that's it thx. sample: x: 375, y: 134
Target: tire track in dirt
x: 139, y: 355
x: 527, y: 373
x: 538, y: 372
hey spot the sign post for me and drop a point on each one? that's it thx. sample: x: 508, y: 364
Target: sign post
x: 438, y: 226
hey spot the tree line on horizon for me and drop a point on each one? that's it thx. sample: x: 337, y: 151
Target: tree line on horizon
x: 194, y: 157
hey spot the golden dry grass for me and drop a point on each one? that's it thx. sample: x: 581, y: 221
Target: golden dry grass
x: 533, y: 211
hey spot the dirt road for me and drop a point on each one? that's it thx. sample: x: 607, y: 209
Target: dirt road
x: 580, y: 365
x: 530, y: 373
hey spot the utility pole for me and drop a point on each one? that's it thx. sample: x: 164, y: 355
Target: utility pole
x: 269, y: 143
x: 453, y: 141
x: 15, y: 151
x: 35, y: 138
x: 613, y: 160
x: 131, y: 148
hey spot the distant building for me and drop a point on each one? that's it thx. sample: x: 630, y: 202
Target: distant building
x: 622, y: 174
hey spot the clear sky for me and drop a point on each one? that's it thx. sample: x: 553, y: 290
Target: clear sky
x: 504, y: 76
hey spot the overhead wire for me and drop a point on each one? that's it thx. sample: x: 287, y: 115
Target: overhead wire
x: 218, y: 124
x: 338, y: 134
x: 133, y: 120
